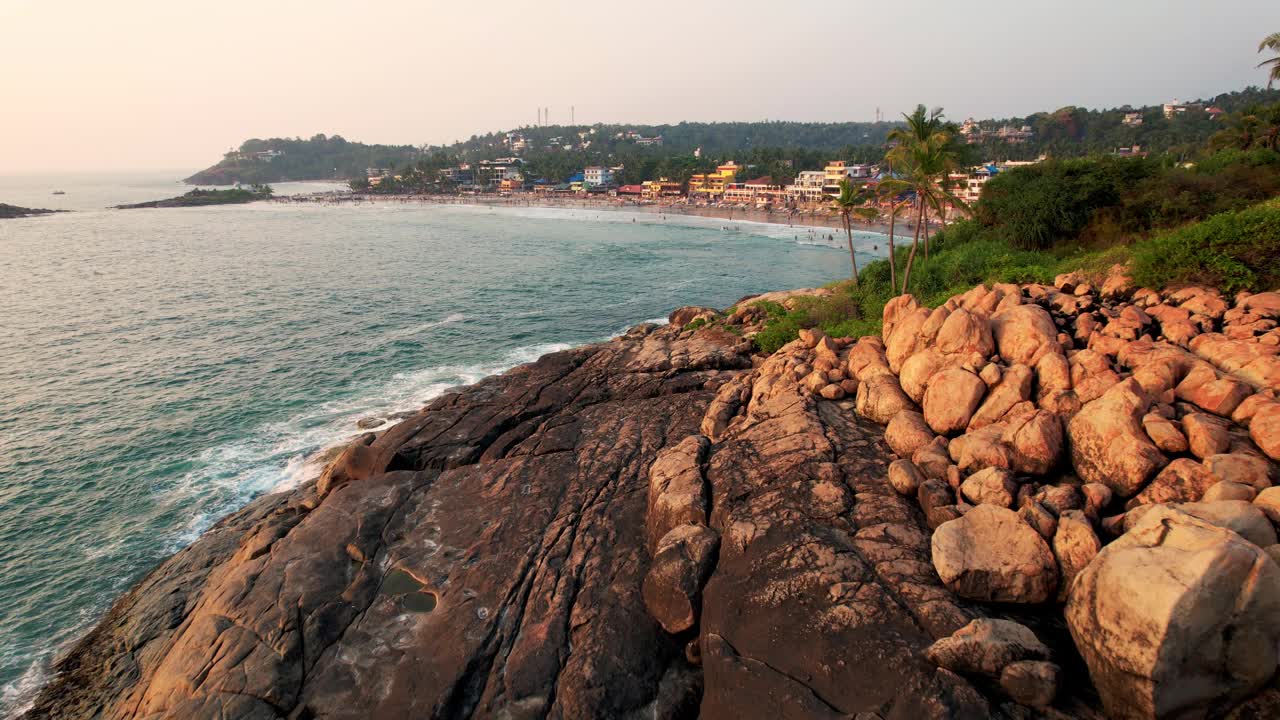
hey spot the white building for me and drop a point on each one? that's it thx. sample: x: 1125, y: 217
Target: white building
x: 596, y: 176
x: 808, y: 186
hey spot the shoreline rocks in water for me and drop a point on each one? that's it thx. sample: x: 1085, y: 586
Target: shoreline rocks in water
x: 13, y: 211
x: 668, y: 525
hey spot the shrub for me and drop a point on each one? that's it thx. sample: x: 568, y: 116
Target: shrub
x: 1232, y: 250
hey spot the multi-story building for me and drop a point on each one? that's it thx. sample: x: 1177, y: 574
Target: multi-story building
x: 837, y: 171
x: 460, y: 174
x: 490, y: 173
x: 711, y: 186
x: 808, y: 187
x: 597, y: 176
x: 1132, y: 119
x: 754, y: 192
x: 657, y: 189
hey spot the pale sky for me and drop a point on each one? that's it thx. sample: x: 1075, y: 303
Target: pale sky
x: 141, y: 84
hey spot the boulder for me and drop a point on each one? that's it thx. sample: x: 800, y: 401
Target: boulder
x: 1227, y: 490
x: 918, y: 369
x: 832, y: 392
x: 905, y: 477
x: 986, y: 646
x: 951, y: 398
x: 685, y: 315
x: 1205, y: 435
x: 1038, y: 518
x: 1264, y: 429
x: 907, y: 432
x: 1163, y: 433
x: 1108, y: 443
x: 1243, y: 518
x: 1242, y: 468
x: 1218, y: 395
x: 1024, y: 334
x: 677, y: 493
x: 1245, y: 411
x: 1182, y: 480
x: 1075, y: 544
x: 811, y: 337
x: 1013, y: 387
x: 1268, y: 501
x: 1176, y: 618
x: 989, y: 554
x: 981, y: 449
x: 680, y: 568
x: 880, y: 398
x: 992, y: 486
x: 1033, y: 683
x: 964, y: 333
x: 932, y: 459
x: 1035, y: 442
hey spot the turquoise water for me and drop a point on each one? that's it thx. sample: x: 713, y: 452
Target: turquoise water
x: 159, y: 368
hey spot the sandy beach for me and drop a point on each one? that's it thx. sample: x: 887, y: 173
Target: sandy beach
x: 789, y: 218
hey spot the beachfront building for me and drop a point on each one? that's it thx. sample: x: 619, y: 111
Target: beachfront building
x: 970, y: 183
x: 655, y: 190
x: 760, y: 191
x: 597, y: 176
x: 837, y: 171
x: 630, y: 191
x: 457, y: 175
x: 491, y: 173
x: 807, y: 188
x: 711, y: 186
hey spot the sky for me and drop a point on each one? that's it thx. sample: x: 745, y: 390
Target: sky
x: 144, y: 84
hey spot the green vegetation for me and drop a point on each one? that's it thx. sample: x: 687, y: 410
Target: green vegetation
x: 13, y: 211
x: 1235, y: 250
x: 1215, y: 221
x: 319, y: 158
x: 1271, y: 43
x: 198, y: 198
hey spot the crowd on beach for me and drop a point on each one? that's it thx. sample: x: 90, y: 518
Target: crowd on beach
x: 812, y: 217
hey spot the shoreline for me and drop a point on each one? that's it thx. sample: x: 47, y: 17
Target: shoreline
x: 798, y: 219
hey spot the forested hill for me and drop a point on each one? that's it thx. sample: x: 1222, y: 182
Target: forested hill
x: 319, y: 158
x: 776, y: 148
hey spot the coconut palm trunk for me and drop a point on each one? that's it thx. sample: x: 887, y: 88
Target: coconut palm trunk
x: 893, y: 268
x: 848, y: 234
x: 915, y: 245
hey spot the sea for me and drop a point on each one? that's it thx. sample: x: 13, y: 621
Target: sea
x: 160, y: 368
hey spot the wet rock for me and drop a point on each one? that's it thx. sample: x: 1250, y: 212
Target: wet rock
x: 987, y: 646
x: 991, y: 555
x: 1176, y: 617
x: 680, y: 567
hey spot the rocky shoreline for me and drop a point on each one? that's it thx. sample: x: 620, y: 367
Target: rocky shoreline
x: 1067, y: 513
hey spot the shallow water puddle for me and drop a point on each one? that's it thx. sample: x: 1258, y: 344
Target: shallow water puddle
x: 409, y: 590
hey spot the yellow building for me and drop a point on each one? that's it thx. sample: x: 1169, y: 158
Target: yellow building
x: 658, y: 189
x: 711, y: 186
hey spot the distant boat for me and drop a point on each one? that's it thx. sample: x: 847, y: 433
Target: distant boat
x: 59, y: 192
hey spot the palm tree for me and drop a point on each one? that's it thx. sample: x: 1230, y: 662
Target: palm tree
x: 1272, y: 43
x: 925, y: 152
x: 848, y: 200
x: 891, y: 188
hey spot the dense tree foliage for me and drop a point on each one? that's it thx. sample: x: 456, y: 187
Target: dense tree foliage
x: 319, y: 158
